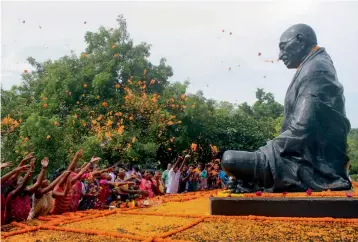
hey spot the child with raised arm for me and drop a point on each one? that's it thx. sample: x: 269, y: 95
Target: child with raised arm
x: 193, y: 179
x: 123, y: 191
x: 18, y: 201
x: 5, y: 183
x: 92, y: 188
x: 42, y: 200
x: 105, y: 191
x: 174, y: 175
x: 63, y: 204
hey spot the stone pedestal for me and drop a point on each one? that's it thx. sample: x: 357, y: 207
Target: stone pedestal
x: 286, y: 207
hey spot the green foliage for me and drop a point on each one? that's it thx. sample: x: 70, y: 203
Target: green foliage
x: 113, y: 103
x: 353, y: 150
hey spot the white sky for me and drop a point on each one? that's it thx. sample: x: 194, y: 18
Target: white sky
x: 189, y: 36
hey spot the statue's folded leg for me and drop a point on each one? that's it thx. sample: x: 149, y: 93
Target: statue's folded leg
x: 248, y: 166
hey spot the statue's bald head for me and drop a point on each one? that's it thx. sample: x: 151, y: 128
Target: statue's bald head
x: 296, y: 43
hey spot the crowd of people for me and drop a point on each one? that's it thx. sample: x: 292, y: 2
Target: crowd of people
x: 88, y: 187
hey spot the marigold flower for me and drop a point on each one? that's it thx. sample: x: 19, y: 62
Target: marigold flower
x: 169, y: 149
x: 130, y: 118
x: 194, y: 146
x: 170, y: 123
x: 118, y: 114
x: 120, y: 130
x: 44, y: 105
x: 117, y: 86
x: 104, y: 104
x: 75, y: 116
x: 48, y: 137
x: 56, y: 123
x: 109, y: 123
x: 84, y: 55
x: 25, y: 71
x: 134, y: 139
x: 114, y: 46
x: 152, y: 82
x: 116, y: 55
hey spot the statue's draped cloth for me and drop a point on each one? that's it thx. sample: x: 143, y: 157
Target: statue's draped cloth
x: 310, y: 152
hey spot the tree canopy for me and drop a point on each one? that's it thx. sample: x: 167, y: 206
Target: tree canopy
x: 114, y: 103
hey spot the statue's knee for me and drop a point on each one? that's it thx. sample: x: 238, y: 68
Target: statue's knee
x: 227, y: 160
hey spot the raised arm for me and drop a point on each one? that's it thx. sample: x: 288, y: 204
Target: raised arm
x: 22, y: 186
x: 93, y: 173
x: 118, y: 184
x: 177, y: 162
x: 184, y: 161
x: 5, y: 165
x: 34, y: 187
x: 26, y: 158
x: 68, y: 185
x: 16, y: 171
x: 52, y: 184
x: 84, y: 169
x: 75, y: 159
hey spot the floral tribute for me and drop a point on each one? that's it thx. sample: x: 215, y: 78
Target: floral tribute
x: 183, y: 217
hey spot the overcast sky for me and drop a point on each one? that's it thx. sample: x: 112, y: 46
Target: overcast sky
x: 190, y: 36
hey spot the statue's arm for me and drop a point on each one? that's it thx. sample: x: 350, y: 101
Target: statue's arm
x: 314, y: 92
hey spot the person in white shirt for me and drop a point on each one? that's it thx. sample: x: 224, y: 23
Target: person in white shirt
x: 174, y: 175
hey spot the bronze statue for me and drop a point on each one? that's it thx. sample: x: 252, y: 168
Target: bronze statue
x: 310, y: 152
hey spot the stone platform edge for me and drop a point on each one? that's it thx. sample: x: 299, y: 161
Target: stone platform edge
x: 339, y: 207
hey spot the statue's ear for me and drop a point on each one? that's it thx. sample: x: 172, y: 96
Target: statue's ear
x: 301, y: 40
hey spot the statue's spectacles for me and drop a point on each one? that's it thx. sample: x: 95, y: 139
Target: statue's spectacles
x: 284, y: 44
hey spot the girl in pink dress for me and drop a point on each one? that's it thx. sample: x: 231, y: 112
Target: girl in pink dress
x: 18, y: 201
x: 7, y: 183
x: 147, y: 184
x: 105, y: 191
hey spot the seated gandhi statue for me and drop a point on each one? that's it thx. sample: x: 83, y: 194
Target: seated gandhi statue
x: 310, y: 152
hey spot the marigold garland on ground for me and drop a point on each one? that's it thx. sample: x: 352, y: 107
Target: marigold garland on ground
x: 183, y: 217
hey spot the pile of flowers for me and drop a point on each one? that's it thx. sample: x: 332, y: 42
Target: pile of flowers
x: 182, y: 217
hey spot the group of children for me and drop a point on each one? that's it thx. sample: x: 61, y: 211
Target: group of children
x: 88, y: 187
x: 188, y: 178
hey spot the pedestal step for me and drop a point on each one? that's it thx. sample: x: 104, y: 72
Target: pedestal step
x: 286, y: 207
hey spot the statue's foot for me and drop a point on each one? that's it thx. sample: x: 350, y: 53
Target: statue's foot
x: 232, y: 184
x: 241, y: 189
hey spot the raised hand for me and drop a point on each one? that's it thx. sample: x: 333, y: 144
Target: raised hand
x: 110, y: 169
x: 32, y: 164
x: 95, y: 159
x: 187, y: 156
x: 44, y: 162
x: 29, y: 156
x: 5, y: 165
x: 22, y: 169
x: 79, y: 153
